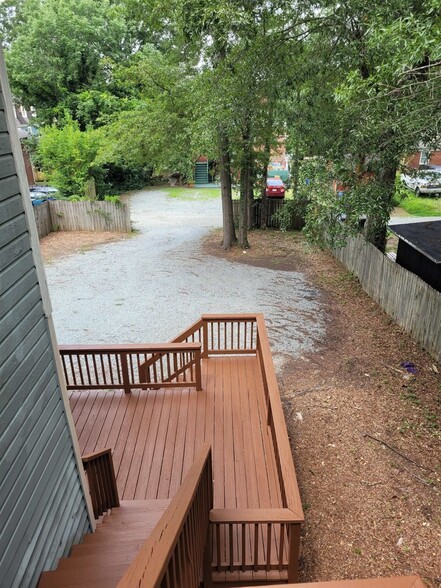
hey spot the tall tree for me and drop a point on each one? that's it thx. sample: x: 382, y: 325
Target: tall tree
x: 380, y: 94
x: 61, y: 48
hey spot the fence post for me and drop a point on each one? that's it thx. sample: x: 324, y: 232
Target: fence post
x: 125, y: 373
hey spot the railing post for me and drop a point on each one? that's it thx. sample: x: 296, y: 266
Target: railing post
x: 125, y: 373
x: 205, y: 338
x: 293, y: 552
x: 198, y: 371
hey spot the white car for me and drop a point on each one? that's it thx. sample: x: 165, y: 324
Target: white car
x: 423, y: 181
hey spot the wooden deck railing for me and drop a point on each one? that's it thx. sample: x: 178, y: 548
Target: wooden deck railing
x: 127, y: 367
x: 252, y: 540
x: 101, y: 478
x: 224, y: 334
x: 243, y: 539
x: 175, y: 554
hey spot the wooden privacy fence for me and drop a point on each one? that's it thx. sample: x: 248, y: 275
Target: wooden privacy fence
x: 273, y: 206
x: 405, y: 297
x: 87, y: 215
x: 43, y: 219
x: 176, y: 555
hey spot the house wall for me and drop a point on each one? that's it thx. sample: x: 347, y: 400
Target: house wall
x: 414, y: 160
x: 43, y: 509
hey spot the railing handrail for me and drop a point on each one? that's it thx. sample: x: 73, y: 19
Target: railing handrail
x: 128, y: 366
x: 156, y: 552
x: 253, y: 515
x: 289, y: 478
x: 132, y: 348
x: 101, y: 479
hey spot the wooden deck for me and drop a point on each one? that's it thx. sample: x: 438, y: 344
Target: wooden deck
x: 156, y: 434
x: 156, y: 406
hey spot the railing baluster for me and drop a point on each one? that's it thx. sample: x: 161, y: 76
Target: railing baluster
x: 73, y: 370
x: 161, y: 366
x: 218, y: 548
x: 87, y: 360
x: 281, y: 546
x: 256, y: 546
x: 230, y: 546
x: 244, y: 556
x: 268, y: 547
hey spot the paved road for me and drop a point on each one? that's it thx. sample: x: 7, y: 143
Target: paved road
x: 404, y: 220
x: 152, y: 286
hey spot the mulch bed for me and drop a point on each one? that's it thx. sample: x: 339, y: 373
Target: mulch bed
x: 365, y: 432
x: 61, y: 244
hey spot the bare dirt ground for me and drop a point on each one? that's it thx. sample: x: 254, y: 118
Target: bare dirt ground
x: 58, y: 245
x: 365, y: 433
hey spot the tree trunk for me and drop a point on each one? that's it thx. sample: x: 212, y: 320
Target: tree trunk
x: 246, y: 188
x: 229, y: 233
x: 244, y: 209
x: 296, y: 168
x: 264, y: 197
x: 376, y: 223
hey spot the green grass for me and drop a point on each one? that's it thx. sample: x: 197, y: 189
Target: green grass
x: 193, y: 193
x: 417, y: 206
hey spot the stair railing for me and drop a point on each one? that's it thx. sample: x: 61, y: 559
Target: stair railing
x: 178, y: 552
x: 102, y: 483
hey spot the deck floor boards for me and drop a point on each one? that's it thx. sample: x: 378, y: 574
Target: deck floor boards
x: 156, y: 434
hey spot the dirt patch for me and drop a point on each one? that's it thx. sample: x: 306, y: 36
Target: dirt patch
x: 365, y: 431
x: 61, y: 244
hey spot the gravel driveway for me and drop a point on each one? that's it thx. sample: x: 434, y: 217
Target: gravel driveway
x: 152, y: 286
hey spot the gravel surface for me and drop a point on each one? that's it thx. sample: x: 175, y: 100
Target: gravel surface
x: 152, y: 286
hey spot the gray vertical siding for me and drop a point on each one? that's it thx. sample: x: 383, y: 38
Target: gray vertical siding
x: 42, y: 507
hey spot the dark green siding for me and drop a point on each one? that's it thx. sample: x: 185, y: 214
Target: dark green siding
x: 42, y: 507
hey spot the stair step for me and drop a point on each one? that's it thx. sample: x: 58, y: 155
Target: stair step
x: 104, y: 556
x: 90, y: 560
x: 130, y: 531
x: 111, y: 573
x: 114, y: 548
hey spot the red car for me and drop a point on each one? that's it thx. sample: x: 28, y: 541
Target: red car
x: 275, y: 188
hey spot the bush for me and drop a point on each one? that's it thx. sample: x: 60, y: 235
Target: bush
x: 66, y: 154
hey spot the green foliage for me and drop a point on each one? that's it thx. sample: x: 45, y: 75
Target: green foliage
x: 67, y: 156
x: 63, y: 48
x: 193, y: 193
x: 114, y: 199
x: 417, y: 206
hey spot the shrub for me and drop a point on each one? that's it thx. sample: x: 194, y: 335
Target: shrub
x: 67, y: 154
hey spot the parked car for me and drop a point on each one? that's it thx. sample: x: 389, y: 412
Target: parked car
x: 275, y: 188
x: 424, y: 181
x: 40, y: 194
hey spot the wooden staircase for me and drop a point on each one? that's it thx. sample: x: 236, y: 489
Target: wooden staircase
x: 104, y: 556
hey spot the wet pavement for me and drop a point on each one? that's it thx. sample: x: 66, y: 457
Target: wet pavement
x: 150, y: 287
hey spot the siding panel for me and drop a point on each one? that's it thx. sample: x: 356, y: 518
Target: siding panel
x: 5, y: 145
x: 8, y: 230
x: 42, y: 506
x: 10, y: 275
x: 7, y: 167
x: 9, y: 187
x: 9, y: 209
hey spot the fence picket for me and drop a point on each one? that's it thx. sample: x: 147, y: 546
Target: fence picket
x: 87, y: 215
x: 404, y: 296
